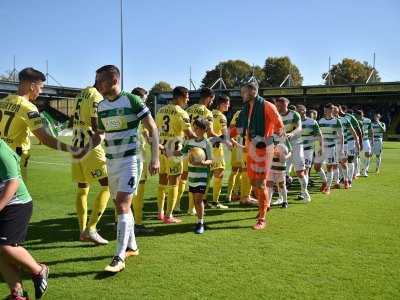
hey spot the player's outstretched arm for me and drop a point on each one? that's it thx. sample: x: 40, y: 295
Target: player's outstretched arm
x: 151, y: 127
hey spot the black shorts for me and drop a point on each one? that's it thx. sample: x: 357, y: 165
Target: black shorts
x: 14, y: 220
x: 197, y: 189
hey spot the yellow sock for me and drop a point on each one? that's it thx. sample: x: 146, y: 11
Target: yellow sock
x: 137, y: 204
x: 231, y: 183
x: 161, y: 197
x: 172, y: 197
x: 182, y: 188
x: 217, y: 189
x: 81, y: 207
x: 191, y: 202
x: 245, y: 187
x: 99, y: 205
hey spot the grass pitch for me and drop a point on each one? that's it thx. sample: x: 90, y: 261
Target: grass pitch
x: 345, y: 245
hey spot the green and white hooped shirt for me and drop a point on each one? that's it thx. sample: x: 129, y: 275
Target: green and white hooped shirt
x: 198, y: 175
x: 330, y: 129
x: 378, y: 128
x: 366, y: 127
x: 309, y: 132
x: 120, y: 120
x: 290, y: 121
x: 347, y: 129
x: 10, y: 169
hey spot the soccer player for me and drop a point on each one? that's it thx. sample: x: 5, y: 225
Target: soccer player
x: 119, y: 115
x: 174, y: 124
x: 220, y: 127
x: 199, y: 110
x: 310, y: 133
x: 368, y: 138
x: 354, y: 144
x: 378, y: 128
x: 15, y: 212
x: 92, y: 168
x: 277, y: 174
x: 19, y: 116
x: 292, y: 121
x: 143, y: 165
x: 258, y: 121
x: 199, y: 173
x: 331, y: 129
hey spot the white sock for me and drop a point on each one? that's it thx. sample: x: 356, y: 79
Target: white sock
x: 378, y: 162
x: 335, y: 175
x: 357, y: 165
x: 303, y: 183
x: 366, y: 164
x: 132, y: 238
x: 350, y: 171
x: 124, y: 227
x: 270, y: 194
x: 283, y: 193
x: 329, y: 177
x: 322, y: 175
x: 344, y: 171
x: 200, y: 221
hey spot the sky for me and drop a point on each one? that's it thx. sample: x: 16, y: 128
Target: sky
x: 164, y: 38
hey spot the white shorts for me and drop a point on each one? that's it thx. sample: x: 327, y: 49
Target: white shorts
x: 276, y: 176
x: 123, y: 175
x: 377, y: 147
x: 308, y: 157
x: 328, y: 156
x: 366, y: 146
x: 297, y: 158
x: 351, y: 148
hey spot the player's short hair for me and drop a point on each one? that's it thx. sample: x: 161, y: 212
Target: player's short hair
x: 222, y: 99
x: 359, y: 112
x: 139, y: 91
x: 343, y: 107
x: 250, y: 86
x: 201, y: 123
x: 31, y: 75
x: 329, y: 105
x: 282, y: 99
x: 206, y: 93
x: 293, y: 107
x: 313, y: 111
x: 179, y: 91
x: 109, y: 69
x: 301, y: 106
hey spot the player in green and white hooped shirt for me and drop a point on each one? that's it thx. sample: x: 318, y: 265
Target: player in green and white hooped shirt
x: 310, y: 133
x: 354, y: 143
x: 119, y: 115
x: 292, y: 122
x: 348, y: 134
x: 368, y: 140
x: 331, y: 131
x: 378, y: 128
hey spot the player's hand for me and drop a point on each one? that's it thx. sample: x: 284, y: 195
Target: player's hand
x: 289, y: 136
x: 79, y: 153
x: 95, y: 140
x: 154, y: 167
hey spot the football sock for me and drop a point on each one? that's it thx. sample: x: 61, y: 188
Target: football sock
x: 99, y: 205
x: 81, y: 207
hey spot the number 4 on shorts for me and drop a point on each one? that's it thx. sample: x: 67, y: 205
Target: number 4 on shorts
x: 131, y: 182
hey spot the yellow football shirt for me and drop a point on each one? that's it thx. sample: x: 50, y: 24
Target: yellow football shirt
x: 18, y: 116
x: 200, y: 111
x: 85, y: 110
x: 172, y: 121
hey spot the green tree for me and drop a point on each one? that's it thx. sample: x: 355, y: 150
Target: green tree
x: 234, y: 73
x: 352, y: 71
x: 276, y: 69
x: 158, y: 87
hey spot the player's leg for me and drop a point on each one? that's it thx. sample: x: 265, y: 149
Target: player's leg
x: 182, y: 183
x: 199, y: 205
x: 270, y: 187
x: 217, y: 187
x: 11, y: 275
x: 282, y: 190
x: 81, y: 205
x: 162, y: 186
x: 174, y: 174
x: 367, y: 157
x: 232, y: 182
x: 299, y: 166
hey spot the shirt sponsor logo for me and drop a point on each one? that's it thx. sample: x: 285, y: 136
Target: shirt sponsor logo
x: 33, y: 114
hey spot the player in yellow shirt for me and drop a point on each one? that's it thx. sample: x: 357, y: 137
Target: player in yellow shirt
x: 198, y: 110
x: 218, y: 165
x: 19, y: 116
x: 91, y: 168
x: 239, y: 168
x: 173, y: 124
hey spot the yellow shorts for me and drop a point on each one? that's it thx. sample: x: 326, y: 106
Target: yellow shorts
x: 218, y: 159
x: 171, y: 165
x: 238, y: 158
x: 91, y: 168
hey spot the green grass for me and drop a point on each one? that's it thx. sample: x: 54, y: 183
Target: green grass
x: 342, y: 246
